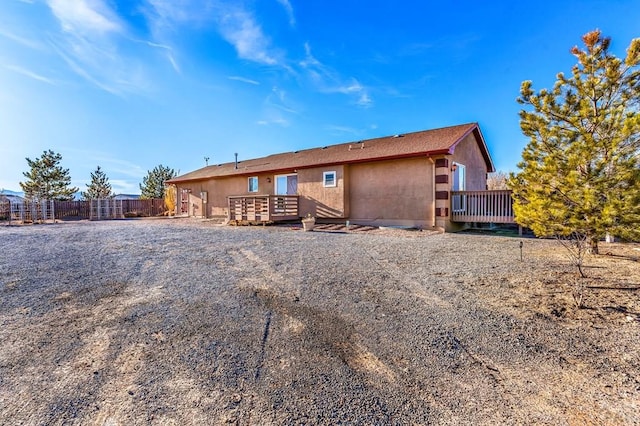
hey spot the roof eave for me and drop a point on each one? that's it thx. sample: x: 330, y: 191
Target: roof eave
x: 317, y: 165
x: 483, y: 146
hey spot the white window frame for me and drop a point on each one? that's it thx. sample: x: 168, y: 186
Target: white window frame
x: 324, y: 179
x: 461, y: 171
x: 459, y: 202
x: 276, y: 189
x: 249, y: 180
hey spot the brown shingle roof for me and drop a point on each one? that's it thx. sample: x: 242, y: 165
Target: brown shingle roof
x: 427, y: 142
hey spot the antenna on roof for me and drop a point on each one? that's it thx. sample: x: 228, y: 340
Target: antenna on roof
x: 206, y: 161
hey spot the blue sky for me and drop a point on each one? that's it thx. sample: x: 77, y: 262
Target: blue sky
x: 128, y: 85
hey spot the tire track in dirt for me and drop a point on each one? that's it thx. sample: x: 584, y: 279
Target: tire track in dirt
x: 311, y: 328
x: 401, y: 286
x: 263, y: 343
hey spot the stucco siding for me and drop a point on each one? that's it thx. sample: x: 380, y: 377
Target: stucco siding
x: 219, y: 189
x: 468, y: 152
x: 321, y: 201
x: 393, y: 192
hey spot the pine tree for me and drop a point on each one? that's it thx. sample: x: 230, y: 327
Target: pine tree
x: 580, y: 173
x: 47, y: 180
x: 99, y: 188
x: 153, y: 184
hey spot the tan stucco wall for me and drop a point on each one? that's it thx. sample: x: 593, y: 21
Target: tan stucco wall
x: 321, y: 202
x: 468, y: 152
x: 218, y: 189
x: 315, y: 199
x: 395, y: 192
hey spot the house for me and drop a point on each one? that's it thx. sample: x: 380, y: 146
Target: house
x: 126, y: 197
x: 404, y: 179
x: 12, y: 198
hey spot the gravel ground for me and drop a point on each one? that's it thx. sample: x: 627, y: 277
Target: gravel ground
x: 177, y: 321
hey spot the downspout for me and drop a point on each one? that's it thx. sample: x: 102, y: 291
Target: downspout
x: 433, y: 192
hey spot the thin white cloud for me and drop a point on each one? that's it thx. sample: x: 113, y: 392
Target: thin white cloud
x: 30, y: 74
x: 278, y: 99
x: 122, y: 167
x: 81, y: 62
x: 342, y: 129
x: 92, y: 41
x: 327, y: 80
x: 163, y: 13
x: 364, y: 100
x: 173, y: 62
x: 276, y: 107
x: 168, y: 50
x: 351, y: 87
x: 236, y: 24
x: 240, y: 29
x: 85, y: 16
x: 124, y: 176
x: 20, y: 40
x: 244, y: 80
x: 280, y: 121
x: 289, y: 9
x: 310, y: 61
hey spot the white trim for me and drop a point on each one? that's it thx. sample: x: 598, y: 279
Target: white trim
x: 324, y: 179
x: 459, y: 177
x: 461, y: 172
x: 275, y: 183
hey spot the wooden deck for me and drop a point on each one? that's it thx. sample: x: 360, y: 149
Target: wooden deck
x: 263, y: 208
x: 482, y: 206
x: 466, y: 206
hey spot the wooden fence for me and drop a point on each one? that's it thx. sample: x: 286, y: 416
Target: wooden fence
x: 20, y: 211
x: 130, y: 208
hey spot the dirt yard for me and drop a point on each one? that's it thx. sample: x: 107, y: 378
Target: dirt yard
x: 181, y: 322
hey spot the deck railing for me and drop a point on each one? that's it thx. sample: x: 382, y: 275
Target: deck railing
x: 482, y: 206
x: 263, y: 208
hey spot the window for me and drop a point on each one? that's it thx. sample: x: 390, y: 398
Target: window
x: 329, y: 179
x: 253, y: 184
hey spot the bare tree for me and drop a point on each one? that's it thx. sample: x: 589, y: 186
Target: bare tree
x: 497, y: 180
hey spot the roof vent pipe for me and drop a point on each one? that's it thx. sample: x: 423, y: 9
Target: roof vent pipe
x: 236, y: 154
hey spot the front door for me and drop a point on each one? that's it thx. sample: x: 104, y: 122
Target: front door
x: 184, y: 202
